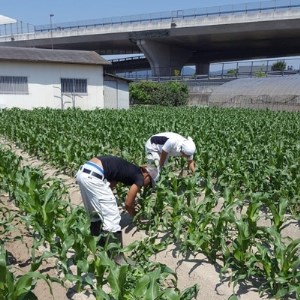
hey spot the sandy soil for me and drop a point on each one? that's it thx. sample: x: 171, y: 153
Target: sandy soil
x: 190, y: 270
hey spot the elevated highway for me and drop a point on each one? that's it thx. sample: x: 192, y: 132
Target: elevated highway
x: 186, y: 37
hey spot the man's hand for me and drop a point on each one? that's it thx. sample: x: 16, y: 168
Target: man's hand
x: 130, y: 199
x: 130, y: 210
x: 191, y: 165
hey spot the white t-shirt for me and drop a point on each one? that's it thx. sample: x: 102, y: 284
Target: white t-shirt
x: 172, y: 145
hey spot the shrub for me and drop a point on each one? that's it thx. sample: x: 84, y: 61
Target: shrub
x: 279, y: 66
x: 156, y: 93
x: 260, y: 73
x: 232, y: 72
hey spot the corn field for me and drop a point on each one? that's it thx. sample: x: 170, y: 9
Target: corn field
x: 247, y: 165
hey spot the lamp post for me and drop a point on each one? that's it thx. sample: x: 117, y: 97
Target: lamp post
x: 51, y: 16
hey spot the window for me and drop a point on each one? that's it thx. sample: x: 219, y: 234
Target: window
x: 73, y: 85
x: 13, y: 85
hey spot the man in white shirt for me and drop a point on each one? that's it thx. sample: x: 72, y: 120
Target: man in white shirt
x: 161, y: 146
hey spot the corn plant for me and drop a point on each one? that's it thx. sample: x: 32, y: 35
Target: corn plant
x: 249, y: 158
x: 278, y: 263
x: 17, y: 287
x: 41, y: 201
x: 6, y: 224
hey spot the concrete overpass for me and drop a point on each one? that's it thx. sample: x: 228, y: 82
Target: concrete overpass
x: 188, y: 37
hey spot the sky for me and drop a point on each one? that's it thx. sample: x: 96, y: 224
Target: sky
x: 37, y: 12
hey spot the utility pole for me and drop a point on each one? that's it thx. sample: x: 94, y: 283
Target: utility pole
x: 51, y: 16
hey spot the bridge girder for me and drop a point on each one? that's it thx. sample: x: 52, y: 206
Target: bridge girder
x: 202, y: 44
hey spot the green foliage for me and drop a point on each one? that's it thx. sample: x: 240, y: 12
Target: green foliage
x: 279, y: 66
x: 260, y: 74
x: 176, y: 72
x: 156, y: 93
x: 232, y: 72
x: 66, y: 230
x: 247, y: 168
x: 15, y: 288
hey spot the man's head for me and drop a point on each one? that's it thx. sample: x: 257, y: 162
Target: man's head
x: 151, y: 175
x: 188, y: 147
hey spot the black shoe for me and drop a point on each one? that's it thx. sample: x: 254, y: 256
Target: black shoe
x: 95, y: 228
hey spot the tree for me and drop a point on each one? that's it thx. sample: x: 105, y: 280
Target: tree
x: 279, y: 66
x: 232, y: 72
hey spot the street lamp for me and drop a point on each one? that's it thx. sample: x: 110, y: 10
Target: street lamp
x: 51, y: 16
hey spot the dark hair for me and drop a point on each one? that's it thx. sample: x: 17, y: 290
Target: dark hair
x: 144, y: 170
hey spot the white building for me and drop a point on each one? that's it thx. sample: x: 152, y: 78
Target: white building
x: 31, y: 77
x: 116, y: 91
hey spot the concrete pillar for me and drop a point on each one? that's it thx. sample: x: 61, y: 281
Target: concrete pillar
x: 202, y: 68
x: 165, y: 60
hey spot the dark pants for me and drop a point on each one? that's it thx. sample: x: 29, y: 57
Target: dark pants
x: 105, y: 236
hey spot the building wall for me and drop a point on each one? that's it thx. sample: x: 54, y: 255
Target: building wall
x: 116, y: 93
x: 44, y: 85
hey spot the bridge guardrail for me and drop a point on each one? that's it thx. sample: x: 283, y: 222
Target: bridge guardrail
x: 180, y: 14
x: 211, y: 76
x: 23, y: 28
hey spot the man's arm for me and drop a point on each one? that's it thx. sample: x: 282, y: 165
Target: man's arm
x: 191, y: 165
x: 130, y: 199
x: 163, y: 158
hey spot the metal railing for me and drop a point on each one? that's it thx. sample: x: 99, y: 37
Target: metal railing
x: 244, y: 8
x: 179, y: 14
x: 224, y: 71
x: 16, y: 28
x: 209, y: 77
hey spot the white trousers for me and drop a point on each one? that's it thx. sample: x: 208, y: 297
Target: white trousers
x: 99, y: 200
x: 152, y: 155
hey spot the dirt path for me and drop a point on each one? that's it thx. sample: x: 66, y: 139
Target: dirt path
x: 190, y: 270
